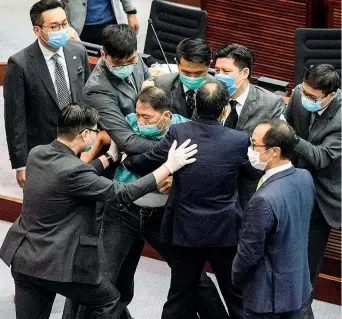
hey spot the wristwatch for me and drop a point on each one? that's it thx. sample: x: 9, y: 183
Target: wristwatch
x: 132, y: 12
x: 109, y: 157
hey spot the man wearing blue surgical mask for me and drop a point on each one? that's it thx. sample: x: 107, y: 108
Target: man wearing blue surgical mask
x: 40, y: 81
x: 249, y: 104
x: 314, y: 111
x: 193, y: 57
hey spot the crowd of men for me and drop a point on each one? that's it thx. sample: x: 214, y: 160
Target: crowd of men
x: 253, y: 188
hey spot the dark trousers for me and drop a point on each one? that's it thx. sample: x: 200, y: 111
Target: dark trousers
x: 93, y: 33
x: 186, y: 269
x: 34, y: 297
x: 125, y: 230
x: 318, y: 239
x: 285, y: 315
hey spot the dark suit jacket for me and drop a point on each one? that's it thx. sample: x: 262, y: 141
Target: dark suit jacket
x: 56, y: 237
x: 114, y: 99
x: 271, y: 264
x: 171, y: 83
x: 260, y: 105
x: 203, y: 208
x: 319, y: 151
x: 31, y: 103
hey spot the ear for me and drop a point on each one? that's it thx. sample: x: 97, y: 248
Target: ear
x: 37, y: 31
x: 225, y: 111
x: 245, y: 73
x: 277, y: 152
x: 103, y: 54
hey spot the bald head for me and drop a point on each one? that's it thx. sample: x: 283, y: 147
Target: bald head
x: 211, y: 99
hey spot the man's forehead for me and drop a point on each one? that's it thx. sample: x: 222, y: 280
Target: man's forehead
x: 131, y: 57
x: 260, y: 131
x: 54, y: 16
x: 225, y: 62
x: 311, y: 91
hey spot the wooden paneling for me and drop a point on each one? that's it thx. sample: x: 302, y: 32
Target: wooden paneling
x: 195, y: 3
x: 266, y: 27
x: 334, y: 13
x: 2, y: 72
x: 334, y: 245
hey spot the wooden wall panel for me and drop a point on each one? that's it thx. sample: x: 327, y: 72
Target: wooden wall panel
x: 2, y: 72
x: 334, y: 13
x: 266, y: 27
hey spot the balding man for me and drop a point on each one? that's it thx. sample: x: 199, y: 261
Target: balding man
x: 271, y: 264
x: 203, y: 214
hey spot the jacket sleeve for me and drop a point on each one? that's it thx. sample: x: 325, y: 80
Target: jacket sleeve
x: 87, y: 70
x: 288, y: 111
x: 279, y: 107
x: 320, y: 156
x: 127, y: 5
x: 84, y: 183
x: 15, y: 114
x: 151, y: 160
x: 257, y: 223
x: 115, y: 124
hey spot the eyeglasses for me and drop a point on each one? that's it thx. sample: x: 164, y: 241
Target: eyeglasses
x: 90, y: 129
x: 256, y: 145
x: 302, y: 91
x: 56, y: 27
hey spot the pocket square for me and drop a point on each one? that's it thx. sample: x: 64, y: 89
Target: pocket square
x: 79, y: 70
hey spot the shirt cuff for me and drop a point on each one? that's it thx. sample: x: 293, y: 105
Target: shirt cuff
x: 20, y: 168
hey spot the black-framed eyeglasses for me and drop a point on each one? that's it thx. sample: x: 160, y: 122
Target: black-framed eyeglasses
x: 90, y: 129
x: 57, y: 27
x: 253, y: 145
x: 302, y: 91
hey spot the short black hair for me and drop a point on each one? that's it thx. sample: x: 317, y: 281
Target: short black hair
x: 158, y: 98
x: 281, y: 135
x: 243, y: 57
x: 119, y: 41
x: 76, y: 117
x: 322, y: 77
x: 41, y: 6
x: 211, y: 98
x: 194, y: 50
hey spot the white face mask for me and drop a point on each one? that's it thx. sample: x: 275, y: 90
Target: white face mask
x: 254, y: 158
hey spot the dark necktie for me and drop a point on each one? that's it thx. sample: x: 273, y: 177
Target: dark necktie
x: 63, y: 94
x: 233, y: 117
x: 314, y: 117
x: 190, y: 102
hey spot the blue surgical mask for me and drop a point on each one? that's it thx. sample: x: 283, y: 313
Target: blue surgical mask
x: 151, y: 130
x: 57, y: 39
x: 121, y: 72
x: 229, y: 81
x: 192, y: 83
x: 88, y: 148
x: 310, y: 105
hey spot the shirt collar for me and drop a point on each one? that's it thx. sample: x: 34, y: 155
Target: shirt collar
x: 276, y: 170
x: 186, y: 89
x: 48, y: 54
x: 243, y: 97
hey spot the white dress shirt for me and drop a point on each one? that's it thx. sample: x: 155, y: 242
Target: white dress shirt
x: 276, y: 170
x: 51, y: 64
x: 241, y: 100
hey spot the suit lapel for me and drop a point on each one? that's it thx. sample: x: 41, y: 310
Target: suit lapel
x: 247, y: 109
x: 324, y: 120
x: 39, y: 64
x: 276, y: 176
x: 72, y: 64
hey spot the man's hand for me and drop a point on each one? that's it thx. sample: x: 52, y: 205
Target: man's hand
x: 73, y: 35
x: 133, y: 22
x: 113, y: 151
x: 147, y: 83
x: 20, y: 175
x: 165, y: 186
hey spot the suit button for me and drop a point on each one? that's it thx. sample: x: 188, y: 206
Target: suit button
x: 84, y: 3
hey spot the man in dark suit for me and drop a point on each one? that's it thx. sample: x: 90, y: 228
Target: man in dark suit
x: 202, y: 215
x: 112, y: 89
x: 249, y: 104
x: 271, y: 264
x: 41, y: 80
x: 314, y: 111
x: 55, y: 246
x: 193, y: 57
